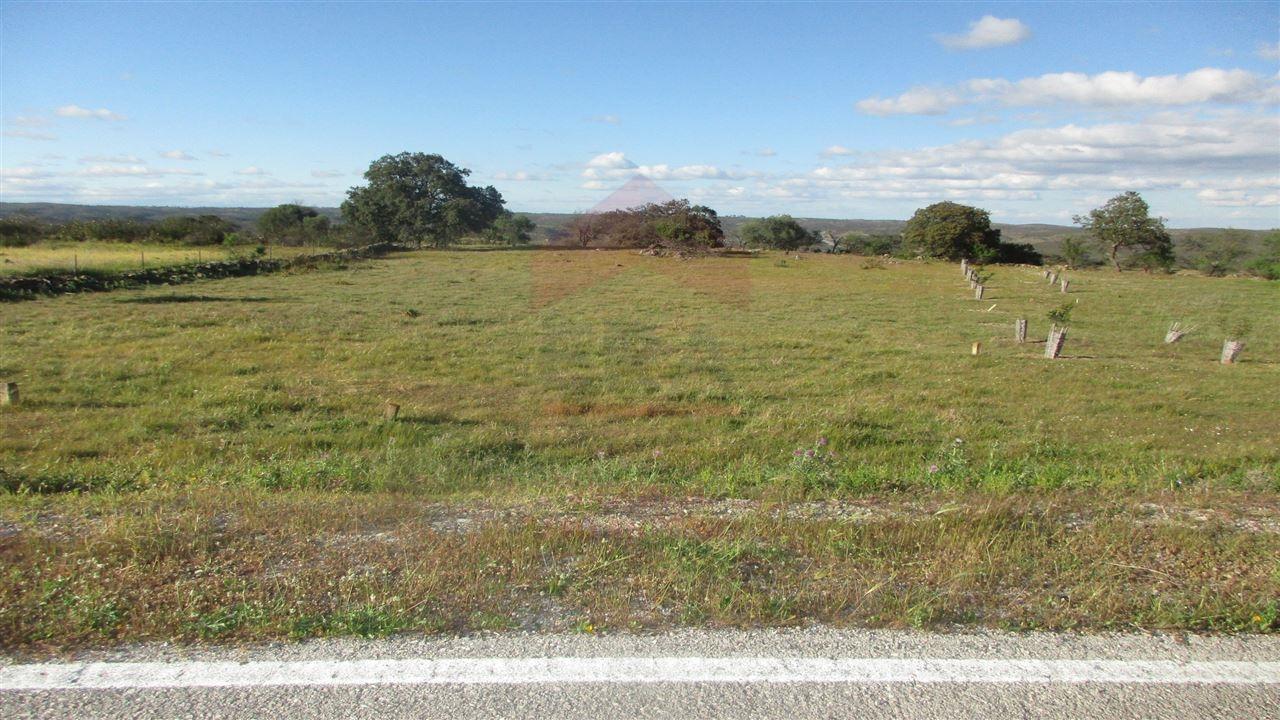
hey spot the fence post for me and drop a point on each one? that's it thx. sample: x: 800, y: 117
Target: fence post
x: 9, y: 393
x: 1020, y: 330
x: 1065, y: 284
x: 1053, y: 346
x: 1230, y: 350
x: 978, y: 290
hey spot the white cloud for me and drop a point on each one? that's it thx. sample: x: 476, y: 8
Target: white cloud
x: 177, y: 155
x: 29, y: 121
x: 916, y: 101
x: 1230, y: 157
x: 988, y: 32
x: 834, y: 150
x: 606, y: 119
x: 132, y: 171
x: 29, y: 135
x: 75, y: 111
x: 120, y: 159
x: 610, y: 161
x: 218, y: 153
x: 1106, y: 89
x: 252, y: 170
x: 25, y: 173
x: 325, y: 174
x: 1269, y: 51
x: 518, y: 176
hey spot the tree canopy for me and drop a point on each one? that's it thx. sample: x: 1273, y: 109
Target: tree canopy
x: 415, y: 197
x: 1124, y: 223
x: 675, y: 223
x: 510, y: 229
x: 779, y: 232
x: 952, y: 231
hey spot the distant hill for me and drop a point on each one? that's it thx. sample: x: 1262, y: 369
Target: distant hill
x: 1046, y: 238
x: 62, y: 212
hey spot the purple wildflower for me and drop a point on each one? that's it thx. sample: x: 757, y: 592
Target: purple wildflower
x: 934, y: 468
x: 822, y: 441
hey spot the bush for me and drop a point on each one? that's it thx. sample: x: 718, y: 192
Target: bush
x: 105, y: 230
x: 675, y: 223
x: 191, y: 230
x: 778, y: 232
x: 18, y: 231
x: 510, y: 229
x: 859, y: 244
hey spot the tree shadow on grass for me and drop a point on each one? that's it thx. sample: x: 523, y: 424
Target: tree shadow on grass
x: 166, y: 299
x: 434, y: 419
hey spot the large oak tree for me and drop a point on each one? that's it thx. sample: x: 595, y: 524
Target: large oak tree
x: 417, y: 198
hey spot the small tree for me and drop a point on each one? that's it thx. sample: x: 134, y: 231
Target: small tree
x: 1125, y: 223
x: 1268, y: 264
x: 1215, y: 254
x: 779, y: 232
x: 1075, y: 252
x: 415, y: 197
x: 674, y: 223
x: 510, y: 229
x: 952, y: 231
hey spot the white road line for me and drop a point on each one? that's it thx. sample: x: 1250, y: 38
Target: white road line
x: 507, y: 671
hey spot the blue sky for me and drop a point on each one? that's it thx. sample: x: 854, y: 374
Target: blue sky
x: 1035, y: 112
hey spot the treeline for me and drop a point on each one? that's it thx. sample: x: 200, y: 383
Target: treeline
x: 194, y: 230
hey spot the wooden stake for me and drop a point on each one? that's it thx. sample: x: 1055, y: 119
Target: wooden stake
x: 977, y: 348
x: 1053, y: 346
x: 9, y: 393
x: 977, y: 292
x: 1020, y: 330
x: 1230, y: 350
x: 1065, y: 284
x: 390, y: 411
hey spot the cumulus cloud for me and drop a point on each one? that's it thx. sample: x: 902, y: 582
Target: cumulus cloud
x: 75, y: 111
x: 1229, y: 158
x: 762, y: 152
x: 988, y: 32
x: 177, y: 155
x: 252, y: 170
x: 1106, y: 89
x: 834, y: 150
x: 610, y: 161
x: 916, y: 101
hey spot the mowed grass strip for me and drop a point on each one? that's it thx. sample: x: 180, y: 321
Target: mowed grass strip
x: 90, y: 256
x: 253, y: 565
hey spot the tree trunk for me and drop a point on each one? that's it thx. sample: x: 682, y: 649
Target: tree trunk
x: 1115, y: 249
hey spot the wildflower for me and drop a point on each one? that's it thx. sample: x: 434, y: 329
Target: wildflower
x: 934, y: 468
x: 822, y: 441
x: 808, y: 453
x: 798, y: 452
x: 657, y: 454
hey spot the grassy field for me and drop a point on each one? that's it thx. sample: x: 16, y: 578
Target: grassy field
x: 600, y: 440
x: 49, y: 257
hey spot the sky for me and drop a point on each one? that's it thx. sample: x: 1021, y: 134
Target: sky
x: 1035, y: 112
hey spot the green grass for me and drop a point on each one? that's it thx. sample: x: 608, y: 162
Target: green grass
x: 569, y: 378
x: 61, y: 257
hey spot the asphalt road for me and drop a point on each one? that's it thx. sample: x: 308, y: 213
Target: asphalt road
x: 815, y: 673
